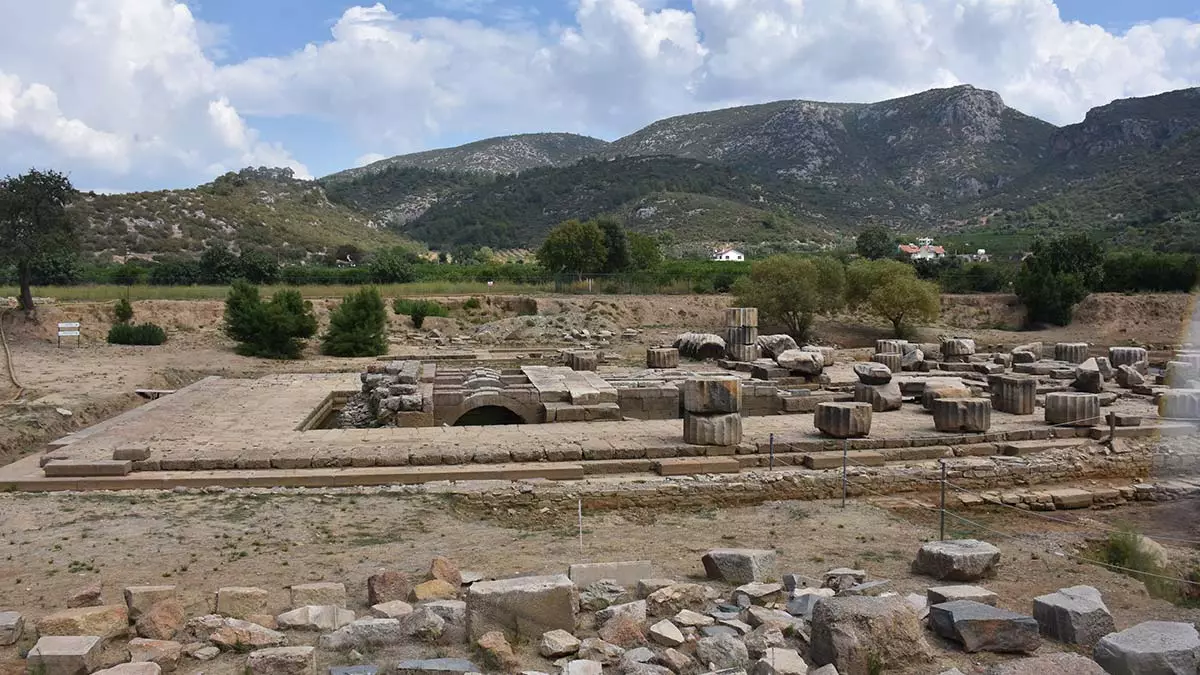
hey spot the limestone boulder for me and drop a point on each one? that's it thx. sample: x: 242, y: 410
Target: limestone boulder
x: 800, y: 361
x: 387, y: 586
x: 436, y: 667
x: 852, y: 632
x: 957, y: 560
x: 105, y: 621
x: 434, y: 589
x: 780, y: 661
x: 1150, y: 647
x: 873, y: 373
x: 600, y: 594
x: 423, y: 624
x: 12, y: 626
x: 711, y: 395
x: 600, y: 651
x: 1075, y: 615
x: 496, y: 654
x: 315, y: 617
x: 635, y: 610
x: 282, y: 661
x: 391, y: 610
x: 582, y: 667
x: 139, y: 599
x: 740, y: 565
x: 666, y: 634
x: 364, y: 634
x: 757, y: 593
x: 882, y: 397
x: 166, y: 653
x: 524, y: 607
x: 240, y: 602
x: 557, y: 644
x: 722, y: 652
x: 675, y: 661
x: 774, y: 345
x: 979, y: 627
x: 1088, y: 377
x: 65, y: 655
x: 446, y: 570
x: 162, y: 621
x: 88, y: 596
x: 624, y: 631
x: 672, y: 599
x: 1128, y: 377
x: 131, y: 669
x: 231, y: 634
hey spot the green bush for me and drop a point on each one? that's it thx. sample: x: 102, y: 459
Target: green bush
x: 471, y: 303
x: 358, y: 327
x: 141, y: 334
x: 273, y: 330
x: 417, y: 310
x: 123, y: 311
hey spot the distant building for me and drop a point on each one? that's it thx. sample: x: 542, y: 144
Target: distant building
x: 923, y: 250
x: 729, y: 255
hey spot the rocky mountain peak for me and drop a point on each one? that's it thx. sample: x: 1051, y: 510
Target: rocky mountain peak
x: 1148, y: 123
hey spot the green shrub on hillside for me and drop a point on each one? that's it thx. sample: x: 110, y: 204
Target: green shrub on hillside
x: 417, y: 310
x: 123, y: 311
x: 358, y: 327
x: 140, y: 334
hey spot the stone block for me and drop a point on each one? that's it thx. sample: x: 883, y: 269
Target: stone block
x: 1180, y: 404
x: 1014, y: 394
x: 873, y: 373
x: 240, y: 602
x: 957, y: 560
x: 387, y: 586
x: 144, y: 668
x: 943, y: 387
x: 139, y: 599
x: 882, y: 397
x: 321, y: 593
x: 1128, y: 377
x: 843, y: 420
x: 434, y: 589
x: 1075, y: 615
x: 962, y: 414
x: 740, y: 565
x: 851, y: 632
x: 524, y: 607
x: 718, y: 429
x: 64, y: 655
x: 162, y: 621
x: 662, y: 357
x: 894, y: 362
x: 666, y: 634
x: 282, y: 661
x: 1151, y: 647
x: 626, y: 574
x: 801, y: 361
x: 1033, y: 348
x: 1070, y: 498
x: 743, y: 353
x: 557, y: 644
x: 957, y: 348
x: 712, y: 395
x: 741, y: 316
x: 315, y: 617
x: 166, y: 653
x: 1127, y: 356
x: 1071, y: 352
x: 12, y: 625
x: 1065, y: 408
x: 979, y: 627
x: 83, y: 468
x: 365, y: 634
x: 890, y: 346
x: 436, y: 667
x: 941, y: 594
x: 772, y: 346
x: 106, y: 621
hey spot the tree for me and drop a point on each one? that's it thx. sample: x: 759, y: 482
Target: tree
x: 218, y: 266
x: 1057, y: 275
x: 644, y: 253
x: 392, y: 266
x: 358, y: 327
x: 273, y: 330
x: 346, y: 253
x: 793, y: 290
x: 616, y: 246
x: 575, y: 248
x: 904, y: 299
x: 258, y: 267
x: 864, y: 276
x: 34, y: 223
x: 123, y: 311
x: 875, y: 242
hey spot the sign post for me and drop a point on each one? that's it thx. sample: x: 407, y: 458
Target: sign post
x: 69, y: 330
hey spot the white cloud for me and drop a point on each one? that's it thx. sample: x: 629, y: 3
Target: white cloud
x: 125, y: 92
x: 118, y: 92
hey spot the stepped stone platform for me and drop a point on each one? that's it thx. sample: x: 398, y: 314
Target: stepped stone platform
x: 241, y: 432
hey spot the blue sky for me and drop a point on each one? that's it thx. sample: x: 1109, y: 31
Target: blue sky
x: 143, y: 94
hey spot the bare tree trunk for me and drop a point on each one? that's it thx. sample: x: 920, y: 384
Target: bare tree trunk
x: 23, y: 275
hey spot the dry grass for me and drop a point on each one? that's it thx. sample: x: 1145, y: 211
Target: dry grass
x: 107, y: 293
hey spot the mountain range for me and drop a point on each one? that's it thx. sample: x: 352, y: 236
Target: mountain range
x: 787, y: 174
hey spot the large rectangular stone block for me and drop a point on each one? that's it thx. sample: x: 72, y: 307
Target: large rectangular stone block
x: 1072, y: 409
x: 962, y: 414
x: 65, y: 655
x: 240, y: 602
x: 843, y: 420
x: 720, y: 430
x: 524, y: 607
x: 82, y: 468
x: 1071, y: 352
x: 626, y: 573
x: 741, y: 316
x: 106, y: 621
x: 1014, y: 394
x: 662, y: 357
x: 139, y: 599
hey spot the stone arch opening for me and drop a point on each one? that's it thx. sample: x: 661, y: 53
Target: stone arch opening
x: 488, y: 415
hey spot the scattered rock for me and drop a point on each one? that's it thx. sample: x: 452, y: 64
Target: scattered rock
x: 423, y: 624
x: 979, y: 627
x: 957, y: 560
x: 364, y: 634
x: 166, y: 653
x: 686, y: 617
x: 676, y: 661
x: 240, y: 602
x: 939, y: 594
x: 757, y: 593
x: 774, y: 345
x: 140, y: 599
x: 780, y: 661
x: 596, y: 649
x: 759, y: 640
x: 722, y: 651
x: 64, y: 655
x: 601, y: 594
x: 434, y: 589
x: 802, y: 603
x: 315, y: 617
x: 1149, y: 648
x: 623, y: 630
x: 206, y: 653
x: 388, y: 586
x: 231, y: 634
x: 393, y: 609
x: 582, y: 667
x: 496, y: 653
x: 446, y: 570
x: 852, y: 631
x: 670, y: 600
x: 162, y: 621
x: 86, y: 597
x: 12, y: 625
x: 666, y: 633
x: 106, y: 621
x: 436, y: 667
x: 131, y: 669
x: 282, y: 661
x: 872, y: 373
x: 1075, y: 615
x: 740, y: 565
x: 799, y: 361
x: 647, y: 586
x: 524, y: 607
x: 877, y: 587
x: 841, y: 578
x: 1064, y: 663
x: 557, y: 644
x: 763, y: 616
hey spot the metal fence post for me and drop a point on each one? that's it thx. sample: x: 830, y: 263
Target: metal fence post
x: 845, y: 461
x: 942, y: 511
x: 772, y: 451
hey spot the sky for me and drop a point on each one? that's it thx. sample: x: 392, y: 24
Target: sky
x: 148, y: 94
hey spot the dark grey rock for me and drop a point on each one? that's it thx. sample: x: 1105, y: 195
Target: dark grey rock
x: 1150, y: 648
x: 979, y: 627
x: 1075, y: 615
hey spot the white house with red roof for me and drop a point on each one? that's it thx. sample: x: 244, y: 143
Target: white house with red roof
x: 923, y: 250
